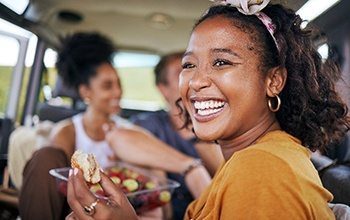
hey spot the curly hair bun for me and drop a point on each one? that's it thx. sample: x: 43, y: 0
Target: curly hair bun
x: 80, y: 54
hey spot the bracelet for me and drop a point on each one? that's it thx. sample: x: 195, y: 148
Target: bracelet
x: 196, y: 163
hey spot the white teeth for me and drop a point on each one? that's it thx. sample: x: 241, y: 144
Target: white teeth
x: 208, y: 111
x: 208, y: 107
x: 208, y: 104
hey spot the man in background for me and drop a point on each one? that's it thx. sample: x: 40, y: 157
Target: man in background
x: 167, y: 126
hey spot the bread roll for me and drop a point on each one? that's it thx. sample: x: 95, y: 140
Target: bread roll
x: 88, y: 164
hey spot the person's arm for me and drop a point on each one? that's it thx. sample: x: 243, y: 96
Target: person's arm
x: 139, y: 147
x: 211, y: 155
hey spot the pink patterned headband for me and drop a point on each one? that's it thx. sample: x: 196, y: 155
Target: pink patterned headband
x: 253, y: 7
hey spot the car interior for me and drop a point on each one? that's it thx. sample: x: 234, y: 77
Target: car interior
x: 142, y: 31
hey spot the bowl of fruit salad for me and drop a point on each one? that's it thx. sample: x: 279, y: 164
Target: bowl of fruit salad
x: 142, y: 187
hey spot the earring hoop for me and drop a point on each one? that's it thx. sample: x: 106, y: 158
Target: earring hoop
x: 87, y: 101
x: 278, y: 104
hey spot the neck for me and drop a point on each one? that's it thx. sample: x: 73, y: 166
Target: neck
x: 95, y: 119
x: 93, y: 122
x: 229, y: 147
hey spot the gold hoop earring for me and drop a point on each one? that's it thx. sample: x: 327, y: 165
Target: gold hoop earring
x: 278, y: 104
x: 87, y: 101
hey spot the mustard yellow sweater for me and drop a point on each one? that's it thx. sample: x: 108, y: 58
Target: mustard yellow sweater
x: 273, y: 179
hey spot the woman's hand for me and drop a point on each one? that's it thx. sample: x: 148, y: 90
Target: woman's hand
x: 86, y: 206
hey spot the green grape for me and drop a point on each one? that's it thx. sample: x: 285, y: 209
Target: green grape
x: 116, y: 180
x: 150, y: 185
x: 130, y: 184
x: 164, y: 196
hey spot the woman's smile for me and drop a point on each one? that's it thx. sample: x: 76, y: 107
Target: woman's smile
x: 207, y: 109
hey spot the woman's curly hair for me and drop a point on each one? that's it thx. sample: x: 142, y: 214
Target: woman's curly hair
x: 311, y: 108
x: 79, y: 56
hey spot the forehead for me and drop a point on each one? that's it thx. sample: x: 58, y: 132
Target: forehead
x: 220, y: 32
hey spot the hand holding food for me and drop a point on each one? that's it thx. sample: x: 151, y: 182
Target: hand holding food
x: 134, y: 187
x: 85, y: 205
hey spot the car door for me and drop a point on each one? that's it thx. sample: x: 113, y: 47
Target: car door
x: 12, y: 67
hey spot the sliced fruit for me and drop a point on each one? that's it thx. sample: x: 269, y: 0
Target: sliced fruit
x: 116, y: 180
x: 150, y: 185
x: 130, y: 184
x: 164, y: 196
x: 97, y: 189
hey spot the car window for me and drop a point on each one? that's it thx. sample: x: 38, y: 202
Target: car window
x: 15, y: 64
x: 138, y: 81
x: 8, y: 59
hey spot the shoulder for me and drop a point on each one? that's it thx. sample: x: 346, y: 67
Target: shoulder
x: 63, y: 130
x: 276, y: 156
x: 63, y: 136
x: 64, y: 126
x: 253, y: 172
x: 76, y: 118
x: 256, y: 163
x: 275, y: 174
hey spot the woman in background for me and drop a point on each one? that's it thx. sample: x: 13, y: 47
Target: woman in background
x: 84, y: 63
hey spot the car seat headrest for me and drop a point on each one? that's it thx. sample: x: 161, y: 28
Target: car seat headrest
x: 62, y: 90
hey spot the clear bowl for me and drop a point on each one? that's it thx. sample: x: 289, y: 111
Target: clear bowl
x: 150, y: 190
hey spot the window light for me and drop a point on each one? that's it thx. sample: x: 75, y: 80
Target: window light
x: 17, y: 6
x: 323, y: 50
x: 313, y: 8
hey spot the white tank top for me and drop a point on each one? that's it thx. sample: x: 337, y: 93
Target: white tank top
x: 100, y: 149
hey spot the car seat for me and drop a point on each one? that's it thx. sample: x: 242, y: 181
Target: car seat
x: 335, y: 177
x: 53, y: 109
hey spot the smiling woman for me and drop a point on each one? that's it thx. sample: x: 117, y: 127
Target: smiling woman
x: 246, y: 75
x: 150, y: 29
x: 84, y: 63
x: 253, y: 82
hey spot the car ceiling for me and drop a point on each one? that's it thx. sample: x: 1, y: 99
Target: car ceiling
x: 125, y: 21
